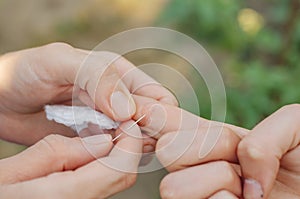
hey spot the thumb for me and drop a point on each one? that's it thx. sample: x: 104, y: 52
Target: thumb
x: 52, y: 154
x: 262, y: 149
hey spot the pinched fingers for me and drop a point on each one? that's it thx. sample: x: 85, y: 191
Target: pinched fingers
x: 138, y: 82
x: 160, y: 118
x: 112, y: 79
x: 98, y: 76
x: 115, y: 172
x: 142, y: 84
x: 94, y: 72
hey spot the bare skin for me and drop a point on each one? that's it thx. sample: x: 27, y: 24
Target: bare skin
x: 31, y: 78
x: 268, y: 156
x: 56, y: 166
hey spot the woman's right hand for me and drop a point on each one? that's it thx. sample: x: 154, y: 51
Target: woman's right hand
x: 60, y: 167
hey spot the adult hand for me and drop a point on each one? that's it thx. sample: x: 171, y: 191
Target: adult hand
x: 195, y: 171
x: 269, y: 156
x: 180, y: 136
x: 161, y: 118
x: 31, y: 78
x: 62, y: 168
x: 269, y: 161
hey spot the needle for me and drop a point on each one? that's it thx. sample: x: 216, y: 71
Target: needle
x: 129, y: 127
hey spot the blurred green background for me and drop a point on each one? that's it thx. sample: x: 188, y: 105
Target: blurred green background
x: 256, y: 45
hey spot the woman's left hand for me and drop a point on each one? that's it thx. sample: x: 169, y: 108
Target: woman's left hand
x: 31, y: 78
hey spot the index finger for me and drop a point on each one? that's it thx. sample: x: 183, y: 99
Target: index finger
x: 163, y: 118
x: 138, y: 82
x: 180, y: 150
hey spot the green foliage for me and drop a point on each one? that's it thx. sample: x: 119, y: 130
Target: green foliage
x: 206, y: 19
x: 262, y: 64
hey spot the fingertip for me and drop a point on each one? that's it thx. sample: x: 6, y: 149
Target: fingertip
x: 131, y: 129
x: 98, y: 145
x: 127, y: 151
x: 122, y: 105
x: 167, y: 188
x: 252, y: 189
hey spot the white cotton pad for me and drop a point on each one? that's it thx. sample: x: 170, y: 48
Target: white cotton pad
x: 78, y: 117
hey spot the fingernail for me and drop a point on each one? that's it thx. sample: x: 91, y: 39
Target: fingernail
x: 148, y: 148
x: 252, y: 189
x: 122, y: 105
x: 96, y: 140
x: 222, y: 196
x: 156, y: 120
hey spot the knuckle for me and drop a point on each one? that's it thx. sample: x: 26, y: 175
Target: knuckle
x: 167, y: 190
x: 172, y: 99
x: 58, y: 46
x: 250, y: 150
x: 229, y: 140
x: 109, y: 58
x: 227, y: 132
x: 109, y: 72
x: 128, y: 179
x: 53, y: 145
x: 228, y: 171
